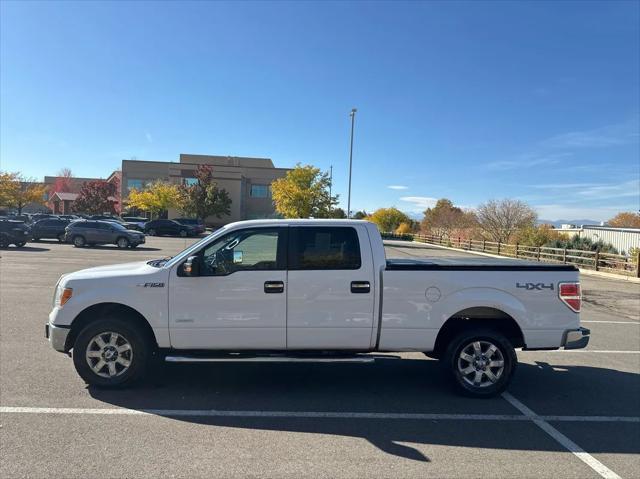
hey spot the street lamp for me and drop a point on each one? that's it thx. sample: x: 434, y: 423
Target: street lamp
x: 353, y: 118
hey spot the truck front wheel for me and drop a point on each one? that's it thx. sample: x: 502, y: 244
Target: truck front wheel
x: 481, y: 362
x: 111, y: 353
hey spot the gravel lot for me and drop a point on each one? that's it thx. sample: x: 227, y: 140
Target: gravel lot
x: 567, y: 414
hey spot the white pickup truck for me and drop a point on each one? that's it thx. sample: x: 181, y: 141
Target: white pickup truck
x: 312, y: 290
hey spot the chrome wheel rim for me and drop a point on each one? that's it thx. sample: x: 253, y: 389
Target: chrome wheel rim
x: 480, y: 364
x: 123, y: 243
x: 78, y: 241
x: 109, y: 354
x: 183, y: 233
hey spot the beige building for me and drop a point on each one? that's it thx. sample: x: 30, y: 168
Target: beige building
x: 247, y: 180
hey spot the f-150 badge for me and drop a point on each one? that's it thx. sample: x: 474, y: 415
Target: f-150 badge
x: 534, y: 286
x: 151, y: 285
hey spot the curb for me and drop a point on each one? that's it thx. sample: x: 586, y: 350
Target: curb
x: 588, y: 272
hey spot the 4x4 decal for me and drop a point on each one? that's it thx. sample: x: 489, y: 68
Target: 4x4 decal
x: 535, y: 286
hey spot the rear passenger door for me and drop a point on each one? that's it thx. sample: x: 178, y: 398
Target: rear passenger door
x: 166, y: 227
x: 330, y: 288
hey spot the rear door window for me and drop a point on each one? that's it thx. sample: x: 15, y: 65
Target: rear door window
x: 324, y: 248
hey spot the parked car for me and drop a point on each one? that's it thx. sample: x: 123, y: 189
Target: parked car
x: 69, y: 217
x: 53, y: 228
x: 272, y: 289
x: 13, y: 232
x: 21, y: 218
x: 198, y: 225
x: 169, y: 228
x: 117, y: 219
x: 140, y: 221
x: 91, y: 232
x: 41, y: 216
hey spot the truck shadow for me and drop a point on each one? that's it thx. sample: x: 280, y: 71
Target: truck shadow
x: 392, y: 386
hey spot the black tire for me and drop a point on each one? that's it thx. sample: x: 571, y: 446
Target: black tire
x: 21, y: 244
x: 61, y: 237
x: 79, y: 241
x: 466, y: 342
x: 35, y: 239
x: 134, y: 245
x: 4, y: 241
x: 151, y: 232
x: 140, y: 353
x: 122, y: 243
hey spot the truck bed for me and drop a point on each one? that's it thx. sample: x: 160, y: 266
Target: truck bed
x: 473, y: 264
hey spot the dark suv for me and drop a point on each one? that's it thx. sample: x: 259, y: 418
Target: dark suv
x: 13, y: 232
x: 168, y: 227
x: 49, y: 229
x: 198, y: 225
x: 89, y: 232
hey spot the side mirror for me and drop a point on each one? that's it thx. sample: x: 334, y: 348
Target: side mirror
x: 237, y: 257
x: 191, y: 267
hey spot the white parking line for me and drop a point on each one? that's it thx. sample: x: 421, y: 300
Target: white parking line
x: 637, y: 323
x: 305, y: 414
x: 571, y: 446
x: 581, y: 351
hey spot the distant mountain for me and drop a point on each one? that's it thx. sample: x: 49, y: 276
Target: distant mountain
x: 557, y: 223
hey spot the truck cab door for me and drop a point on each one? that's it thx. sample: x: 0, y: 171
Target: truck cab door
x: 232, y: 295
x: 331, y: 288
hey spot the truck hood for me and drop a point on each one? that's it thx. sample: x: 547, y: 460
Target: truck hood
x: 138, y: 268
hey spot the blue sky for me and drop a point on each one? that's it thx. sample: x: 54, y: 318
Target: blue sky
x: 465, y: 100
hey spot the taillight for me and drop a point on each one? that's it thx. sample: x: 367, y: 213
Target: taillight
x: 569, y: 294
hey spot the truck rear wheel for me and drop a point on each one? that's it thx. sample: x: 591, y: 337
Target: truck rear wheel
x: 480, y: 362
x: 111, y: 353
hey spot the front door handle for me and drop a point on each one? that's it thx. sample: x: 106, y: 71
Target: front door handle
x: 274, y: 287
x: 360, y: 287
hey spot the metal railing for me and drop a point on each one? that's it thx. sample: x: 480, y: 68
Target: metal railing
x: 596, y: 260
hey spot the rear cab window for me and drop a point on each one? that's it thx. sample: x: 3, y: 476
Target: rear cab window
x: 324, y: 248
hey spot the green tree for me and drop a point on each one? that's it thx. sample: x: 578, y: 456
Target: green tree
x: 338, y: 213
x: 360, y: 215
x: 538, y: 235
x: 203, y: 198
x: 17, y: 191
x: 96, y: 197
x: 388, y: 219
x: 303, y: 193
x: 156, y: 197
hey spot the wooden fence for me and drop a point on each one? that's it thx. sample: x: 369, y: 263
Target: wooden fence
x: 611, y: 263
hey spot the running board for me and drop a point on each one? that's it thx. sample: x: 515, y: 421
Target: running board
x: 274, y: 359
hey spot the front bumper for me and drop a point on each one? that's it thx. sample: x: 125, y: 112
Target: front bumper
x: 576, y: 338
x: 57, y: 336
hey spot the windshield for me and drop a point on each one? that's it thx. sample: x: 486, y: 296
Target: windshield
x: 117, y: 225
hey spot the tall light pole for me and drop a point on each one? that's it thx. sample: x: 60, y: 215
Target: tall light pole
x: 330, y: 181
x: 353, y: 119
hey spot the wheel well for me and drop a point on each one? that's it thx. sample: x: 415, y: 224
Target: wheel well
x: 484, y: 317
x: 99, y: 311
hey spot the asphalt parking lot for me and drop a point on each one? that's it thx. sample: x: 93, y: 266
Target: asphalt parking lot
x: 567, y: 414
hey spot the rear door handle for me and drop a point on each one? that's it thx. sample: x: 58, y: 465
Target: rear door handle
x: 360, y: 287
x: 274, y: 287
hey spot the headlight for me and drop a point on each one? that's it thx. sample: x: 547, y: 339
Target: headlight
x: 62, y: 295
